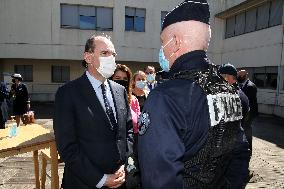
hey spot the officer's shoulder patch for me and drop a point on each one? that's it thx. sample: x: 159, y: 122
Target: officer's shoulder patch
x: 143, y: 123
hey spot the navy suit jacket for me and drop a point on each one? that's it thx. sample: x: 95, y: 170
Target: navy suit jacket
x: 84, y: 139
x: 250, y: 89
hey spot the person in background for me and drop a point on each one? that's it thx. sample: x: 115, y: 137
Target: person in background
x: 20, y: 96
x: 92, y: 122
x: 250, y: 89
x: 139, y: 87
x: 122, y: 75
x: 4, y: 94
x: 150, y: 77
x: 229, y: 73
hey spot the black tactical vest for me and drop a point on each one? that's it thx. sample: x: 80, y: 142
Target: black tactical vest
x: 225, y: 114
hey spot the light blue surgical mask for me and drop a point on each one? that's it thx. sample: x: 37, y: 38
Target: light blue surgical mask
x: 140, y: 84
x: 164, y: 63
x: 150, y: 78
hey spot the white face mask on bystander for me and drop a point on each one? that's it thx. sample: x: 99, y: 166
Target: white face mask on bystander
x: 107, y: 66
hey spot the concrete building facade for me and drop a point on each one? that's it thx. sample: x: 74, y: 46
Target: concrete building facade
x: 249, y: 35
x: 44, y: 40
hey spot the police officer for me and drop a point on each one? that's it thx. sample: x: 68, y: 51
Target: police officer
x: 20, y: 96
x: 230, y: 73
x: 190, y: 133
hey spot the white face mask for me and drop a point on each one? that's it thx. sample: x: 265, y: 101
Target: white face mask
x: 107, y: 66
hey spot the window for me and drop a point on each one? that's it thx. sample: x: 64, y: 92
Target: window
x: 264, y: 16
x: 268, y: 80
x: 60, y: 74
x: 104, y: 18
x: 240, y: 24
x: 250, y: 20
x: 259, y: 80
x: 276, y: 12
x: 230, y: 27
x: 282, y: 71
x: 163, y: 15
x: 135, y: 19
x: 266, y: 77
x: 26, y: 72
x: 86, y: 17
x: 69, y: 16
x: 129, y: 19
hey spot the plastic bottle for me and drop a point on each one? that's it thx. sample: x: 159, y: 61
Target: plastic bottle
x: 13, y: 131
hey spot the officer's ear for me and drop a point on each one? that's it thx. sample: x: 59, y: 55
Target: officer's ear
x: 177, y: 43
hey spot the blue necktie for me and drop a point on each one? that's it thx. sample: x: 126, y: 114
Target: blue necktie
x: 109, y: 110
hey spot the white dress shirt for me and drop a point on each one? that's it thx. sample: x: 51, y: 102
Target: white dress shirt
x: 97, y: 87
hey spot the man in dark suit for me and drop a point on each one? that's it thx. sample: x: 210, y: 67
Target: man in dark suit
x: 151, y: 77
x: 250, y: 90
x: 92, y: 122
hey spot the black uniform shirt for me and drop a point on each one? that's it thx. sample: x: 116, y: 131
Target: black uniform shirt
x: 179, y: 121
x: 173, y: 126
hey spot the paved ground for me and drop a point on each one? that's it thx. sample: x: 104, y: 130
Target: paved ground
x: 268, y: 153
x: 267, y: 162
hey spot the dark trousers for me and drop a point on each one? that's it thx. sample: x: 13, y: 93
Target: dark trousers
x: 248, y: 130
x: 2, y: 122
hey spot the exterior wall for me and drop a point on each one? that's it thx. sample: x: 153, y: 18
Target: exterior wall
x: 42, y: 88
x: 239, y: 50
x: 33, y: 30
x: 33, y: 36
x: 256, y: 49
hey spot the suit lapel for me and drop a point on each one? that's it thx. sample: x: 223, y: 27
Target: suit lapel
x: 245, y: 85
x: 116, y: 96
x: 93, y: 102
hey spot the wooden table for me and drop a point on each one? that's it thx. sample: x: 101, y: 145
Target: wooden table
x: 31, y: 138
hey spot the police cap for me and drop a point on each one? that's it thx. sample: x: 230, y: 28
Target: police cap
x: 197, y: 10
x: 228, y: 69
x: 17, y: 76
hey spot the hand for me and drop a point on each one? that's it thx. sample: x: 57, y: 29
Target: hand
x: 115, y: 180
x: 120, y: 172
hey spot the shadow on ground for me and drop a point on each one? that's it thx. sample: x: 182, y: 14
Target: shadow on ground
x: 269, y: 128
